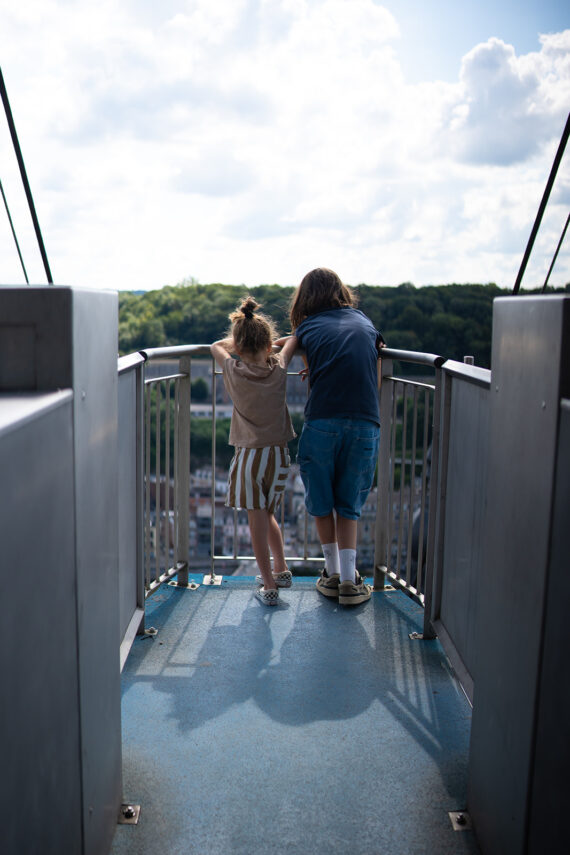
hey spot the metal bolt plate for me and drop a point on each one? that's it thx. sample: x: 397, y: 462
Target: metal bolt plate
x: 129, y: 814
x: 191, y: 586
x: 460, y: 820
x: 209, y: 580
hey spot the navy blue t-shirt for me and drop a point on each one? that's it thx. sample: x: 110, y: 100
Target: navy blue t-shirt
x: 340, y: 346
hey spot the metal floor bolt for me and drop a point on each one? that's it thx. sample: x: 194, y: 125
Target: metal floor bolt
x: 129, y: 814
x: 460, y: 820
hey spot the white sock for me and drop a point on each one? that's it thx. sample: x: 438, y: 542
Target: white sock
x: 330, y: 551
x: 347, y: 565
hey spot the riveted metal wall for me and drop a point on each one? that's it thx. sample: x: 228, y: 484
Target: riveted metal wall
x: 40, y: 784
x: 460, y: 536
x: 58, y: 338
x: 550, y: 795
x: 530, y: 375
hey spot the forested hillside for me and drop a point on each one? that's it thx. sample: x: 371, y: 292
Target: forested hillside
x: 452, y: 320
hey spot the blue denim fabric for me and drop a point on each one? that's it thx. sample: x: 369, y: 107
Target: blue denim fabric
x: 337, y: 458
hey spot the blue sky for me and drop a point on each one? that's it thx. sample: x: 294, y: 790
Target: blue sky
x: 247, y: 141
x: 436, y: 34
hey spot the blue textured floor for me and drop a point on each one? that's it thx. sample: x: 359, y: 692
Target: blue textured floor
x: 304, y: 728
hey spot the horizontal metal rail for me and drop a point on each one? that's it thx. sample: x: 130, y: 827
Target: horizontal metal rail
x: 175, y: 352
x: 413, y: 357
x: 127, y: 363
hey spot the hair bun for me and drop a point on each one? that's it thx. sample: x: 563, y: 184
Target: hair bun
x: 248, y: 308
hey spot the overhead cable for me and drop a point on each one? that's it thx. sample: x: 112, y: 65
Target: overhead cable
x: 25, y: 181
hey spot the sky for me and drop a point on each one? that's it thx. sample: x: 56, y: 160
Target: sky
x: 249, y: 141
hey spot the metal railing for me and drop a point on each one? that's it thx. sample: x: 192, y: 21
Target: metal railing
x: 403, y: 543
x: 408, y: 460
x: 166, y: 522
x: 431, y: 476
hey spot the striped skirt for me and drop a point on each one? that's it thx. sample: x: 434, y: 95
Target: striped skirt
x: 257, y: 477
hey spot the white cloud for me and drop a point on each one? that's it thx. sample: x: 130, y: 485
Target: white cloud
x: 510, y: 106
x: 247, y: 141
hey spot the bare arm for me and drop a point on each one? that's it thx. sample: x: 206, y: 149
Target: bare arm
x: 221, y: 350
x: 304, y: 372
x: 288, y: 349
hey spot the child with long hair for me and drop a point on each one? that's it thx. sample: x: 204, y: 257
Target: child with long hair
x: 260, y: 430
x: 338, y: 447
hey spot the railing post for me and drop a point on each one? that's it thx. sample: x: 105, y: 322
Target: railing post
x: 381, y: 545
x: 182, y: 492
x: 438, y: 477
x: 140, y: 489
x: 212, y: 579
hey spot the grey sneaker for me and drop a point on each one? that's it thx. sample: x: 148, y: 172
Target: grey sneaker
x: 353, y: 593
x: 328, y: 585
x: 282, y: 580
x: 268, y: 598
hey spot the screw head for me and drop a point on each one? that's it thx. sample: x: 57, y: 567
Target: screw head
x: 129, y: 812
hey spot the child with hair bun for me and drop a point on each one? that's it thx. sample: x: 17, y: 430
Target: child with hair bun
x: 260, y: 430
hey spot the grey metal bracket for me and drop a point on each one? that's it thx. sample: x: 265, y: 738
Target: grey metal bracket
x: 191, y: 586
x: 209, y: 579
x: 416, y: 636
x: 460, y: 820
x: 129, y: 814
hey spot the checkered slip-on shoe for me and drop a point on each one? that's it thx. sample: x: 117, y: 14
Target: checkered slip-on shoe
x: 282, y: 580
x: 268, y: 598
x: 328, y: 585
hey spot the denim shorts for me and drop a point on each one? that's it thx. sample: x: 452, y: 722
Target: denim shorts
x: 337, y: 458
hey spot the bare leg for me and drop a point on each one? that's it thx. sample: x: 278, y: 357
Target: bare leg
x: 326, y: 528
x: 259, y: 529
x: 343, y: 530
x: 347, y: 531
x: 275, y: 539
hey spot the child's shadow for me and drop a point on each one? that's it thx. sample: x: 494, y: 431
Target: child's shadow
x: 225, y: 671
x: 296, y: 681
x: 314, y: 677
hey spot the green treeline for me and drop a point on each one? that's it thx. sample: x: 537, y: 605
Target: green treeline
x: 451, y: 320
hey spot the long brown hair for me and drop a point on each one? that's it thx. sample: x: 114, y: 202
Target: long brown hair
x: 251, y: 330
x: 320, y: 289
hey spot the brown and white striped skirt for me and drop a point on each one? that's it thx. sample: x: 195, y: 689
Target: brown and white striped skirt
x: 257, y: 477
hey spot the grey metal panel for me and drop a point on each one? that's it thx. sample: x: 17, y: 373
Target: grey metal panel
x: 94, y: 359
x: 40, y: 784
x: 75, y: 345
x: 35, y: 338
x: 464, y: 536
x: 131, y: 595
x: 527, y: 369
x: 548, y: 831
x: 17, y: 409
x: 550, y: 795
x: 465, y: 371
x: 127, y: 473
